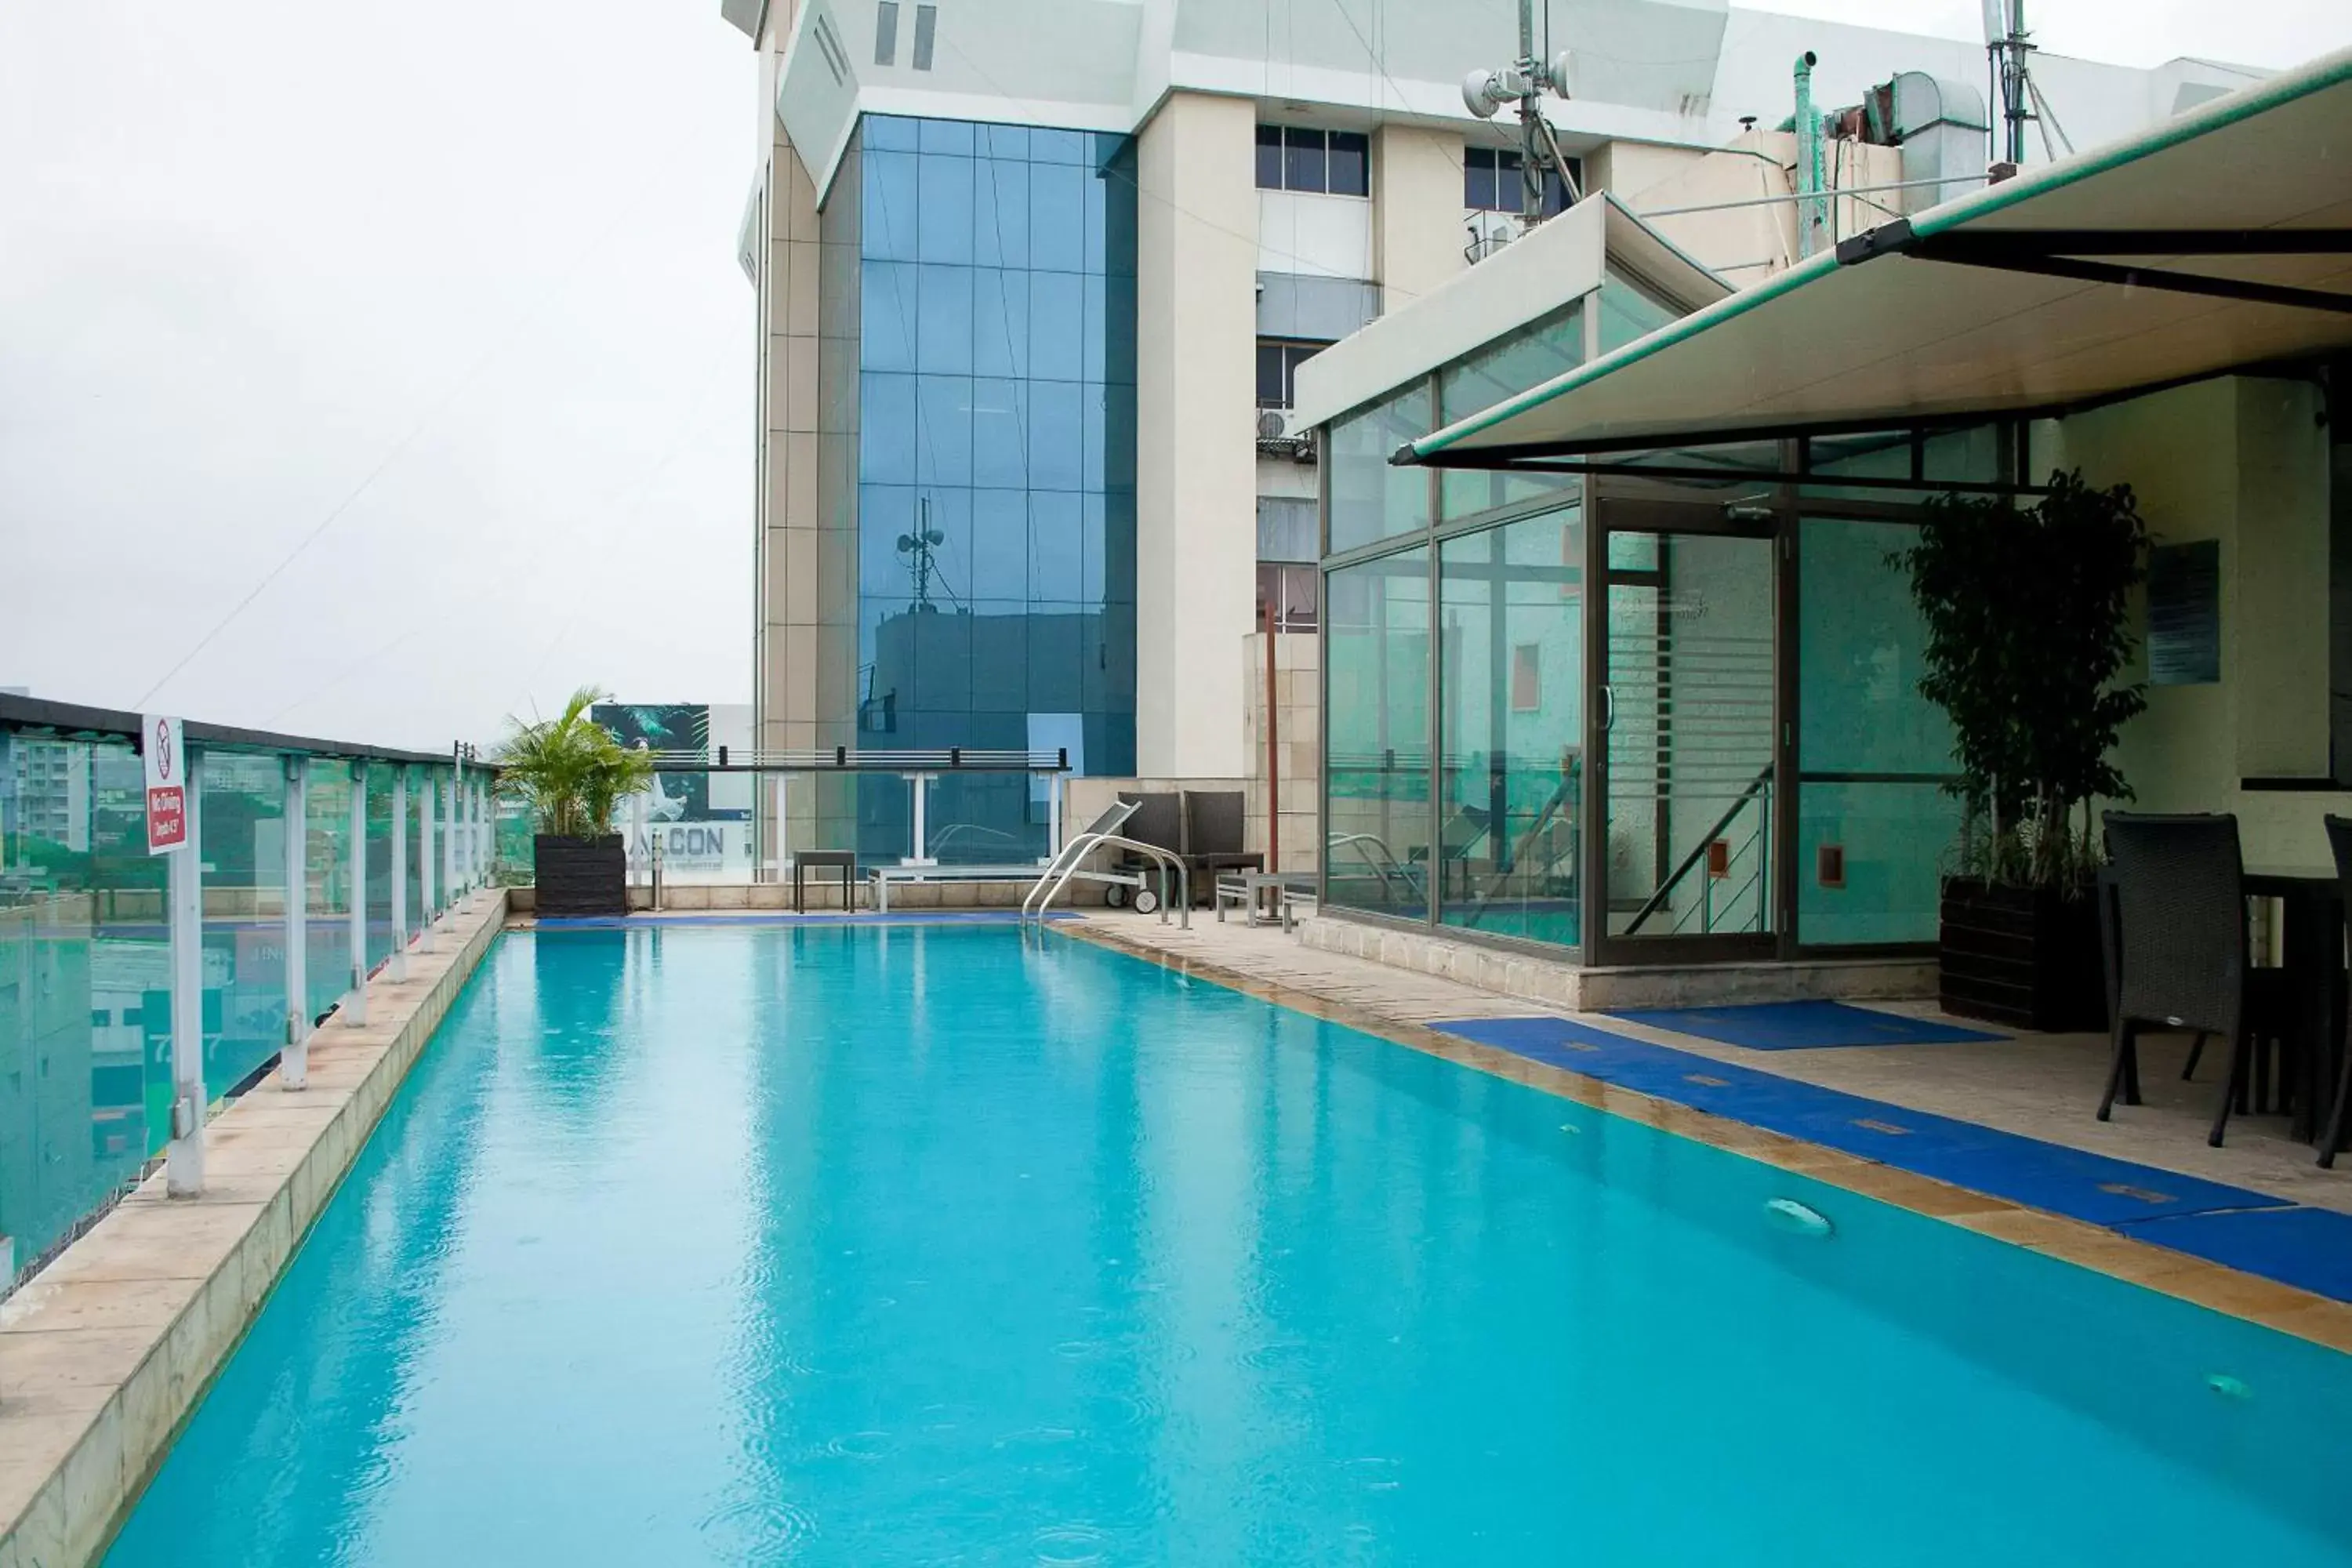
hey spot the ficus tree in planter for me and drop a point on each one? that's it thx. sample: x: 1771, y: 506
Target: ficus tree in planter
x: 2027, y: 616
x: 574, y: 775
x: 2028, y: 631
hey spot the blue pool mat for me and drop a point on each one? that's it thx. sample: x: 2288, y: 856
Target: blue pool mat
x: 2306, y: 1247
x: 2238, y: 1227
x: 1801, y: 1025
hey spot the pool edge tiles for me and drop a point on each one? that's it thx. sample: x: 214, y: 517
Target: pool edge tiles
x: 105, y: 1353
x: 2122, y: 1251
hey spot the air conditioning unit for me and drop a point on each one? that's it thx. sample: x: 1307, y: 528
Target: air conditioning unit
x: 1270, y: 424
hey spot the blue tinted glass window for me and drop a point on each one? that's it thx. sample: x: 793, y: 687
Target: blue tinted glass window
x: 889, y: 132
x: 943, y: 407
x: 887, y: 316
x: 999, y: 432
x: 1056, y: 429
x: 952, y: 136
x: 1478, y: 178
x: 999, y: 545
x: 1092, y: 412
x: 1000, y: 209
x: 946, y: 511
x: 1096, y: 341
x: 885, y: 512
x: 1056, y: 325
x: 886, y: 429
x: 891, y: 197
x: 943, y: 320
x: 1056, y: 146
x: 1119, y: 439
x: 944, y: 226
x: 1098, y: 258
x: 1098, y: 541
x: 999, y: 323
x: 942, y: 663
x: 1117, y: 564
x: 1004, y: 140
x: 1054, y: 651
x: 1350, y: 165
x: 1058, y: 216
x: 1269, y: 157
x: 1057, y: 548
x: 1302, y: 159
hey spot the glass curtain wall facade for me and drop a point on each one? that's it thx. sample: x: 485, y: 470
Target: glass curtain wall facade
x: 991, y: 354
x: 1769, y: 773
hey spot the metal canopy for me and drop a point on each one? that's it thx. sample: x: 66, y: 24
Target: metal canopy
x: 2221, y: 240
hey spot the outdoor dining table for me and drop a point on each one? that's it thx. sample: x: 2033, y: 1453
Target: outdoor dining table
x: 2311, y: 976
x: 2312, y: 955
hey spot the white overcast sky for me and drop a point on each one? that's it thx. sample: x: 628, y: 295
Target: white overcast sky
x: 460, y: 276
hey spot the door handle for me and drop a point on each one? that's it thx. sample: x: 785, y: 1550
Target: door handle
x: 1608, y: 709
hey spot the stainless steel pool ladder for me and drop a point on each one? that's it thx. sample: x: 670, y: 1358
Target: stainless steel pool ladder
x: 1066, y: 864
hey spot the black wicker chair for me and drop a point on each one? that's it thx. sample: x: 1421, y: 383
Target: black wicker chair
x: 2181, y: 931
x: 2331, y: 1137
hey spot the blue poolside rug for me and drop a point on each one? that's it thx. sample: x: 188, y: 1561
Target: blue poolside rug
x: 1802, y: 1026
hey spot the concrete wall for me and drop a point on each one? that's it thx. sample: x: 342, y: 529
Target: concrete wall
x: 1417, y: 235
x: 1196, y: 514
x: 2243, y: 461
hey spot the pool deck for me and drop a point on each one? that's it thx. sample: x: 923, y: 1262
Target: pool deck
x: 106, y: 1351
x: 2037, y: 1087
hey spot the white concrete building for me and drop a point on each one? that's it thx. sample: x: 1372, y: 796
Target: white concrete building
x: 1034, y: 273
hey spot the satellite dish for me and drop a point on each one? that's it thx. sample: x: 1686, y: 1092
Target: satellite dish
x: 1481, y: 94
x: 1556, y: 74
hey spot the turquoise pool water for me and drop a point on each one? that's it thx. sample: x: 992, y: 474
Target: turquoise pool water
x: 918, y: 1245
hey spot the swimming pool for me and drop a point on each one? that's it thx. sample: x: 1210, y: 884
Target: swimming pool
x: 925, y: 1243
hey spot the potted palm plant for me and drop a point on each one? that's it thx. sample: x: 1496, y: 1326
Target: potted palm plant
x: 572, y: 774
x: 2028, y: 629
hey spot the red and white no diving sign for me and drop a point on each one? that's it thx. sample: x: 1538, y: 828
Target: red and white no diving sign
x: 167, y: 787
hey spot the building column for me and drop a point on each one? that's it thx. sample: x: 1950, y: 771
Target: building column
x: 1196, y: 411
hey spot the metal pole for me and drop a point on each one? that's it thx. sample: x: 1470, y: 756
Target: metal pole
x: 1052, y: 818
x: 400, y: 872
x: 1273, y: 745
x: 784, y: 856
x: 456, y: 823
x: 428, y: 789
x: 449, y: 845
x: 1531, y: 158
x: 294, y: 1062
x: 355, y: 1005
x: 183, y: 1157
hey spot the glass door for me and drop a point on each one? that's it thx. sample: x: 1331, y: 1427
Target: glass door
x: 1688, y: 718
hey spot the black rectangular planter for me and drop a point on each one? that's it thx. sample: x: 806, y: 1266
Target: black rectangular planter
x: 2026, y: 957
x: 580, y: 876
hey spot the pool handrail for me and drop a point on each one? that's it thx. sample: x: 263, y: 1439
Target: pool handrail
x: 1065, y: 867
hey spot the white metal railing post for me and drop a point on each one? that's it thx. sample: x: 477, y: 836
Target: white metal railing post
x: 784, y: 856
x: 1053, y: 819
x: 449, y: 845
x: 922, y: 854
x: 482, y: 846
x: 428, y: 788
x: 400, y: 871
x: 294, y: 1062
x: 183, y: 1157
x: 456, y: 823
x: 355, y: 1005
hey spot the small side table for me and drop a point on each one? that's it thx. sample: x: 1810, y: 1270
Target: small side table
x: 1248, y: 889
x: 843, y: 860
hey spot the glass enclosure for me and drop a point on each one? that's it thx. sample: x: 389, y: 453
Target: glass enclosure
x: 1730, y: 760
